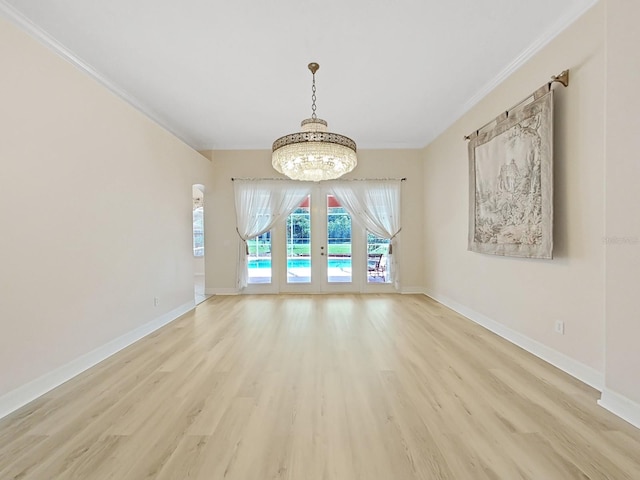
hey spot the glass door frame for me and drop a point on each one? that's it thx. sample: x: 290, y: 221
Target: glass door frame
x: 319, y: 253
x: 319, y: 283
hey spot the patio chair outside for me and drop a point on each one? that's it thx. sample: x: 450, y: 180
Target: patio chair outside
x: 376, y: 265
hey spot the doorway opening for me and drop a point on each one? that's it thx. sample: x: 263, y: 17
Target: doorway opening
x: 197, y: 195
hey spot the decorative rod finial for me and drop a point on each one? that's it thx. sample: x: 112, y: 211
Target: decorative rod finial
x: 563, y: 78
x: 314, y: 67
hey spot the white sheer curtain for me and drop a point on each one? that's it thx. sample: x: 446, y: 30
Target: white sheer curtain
x: 375, y: 205
x: 260, y: 204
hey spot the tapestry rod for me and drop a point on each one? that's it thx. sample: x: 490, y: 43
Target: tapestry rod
x: 562, y: 78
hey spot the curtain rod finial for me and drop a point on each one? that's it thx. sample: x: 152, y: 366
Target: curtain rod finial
x: 563, y: 78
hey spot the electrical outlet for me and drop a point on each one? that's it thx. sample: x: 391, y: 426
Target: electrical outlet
x: 559, y: 327
x: 156, y: 301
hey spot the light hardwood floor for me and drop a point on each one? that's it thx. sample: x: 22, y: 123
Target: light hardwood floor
x: 345, y: 387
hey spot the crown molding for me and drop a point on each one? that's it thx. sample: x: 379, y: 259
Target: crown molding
x: 26, y: 25
x: 543, y: 40
x: 46, y: 39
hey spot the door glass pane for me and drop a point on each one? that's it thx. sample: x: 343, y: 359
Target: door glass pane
x: 198, y: 230
x: 338, y: 242
x: 299, y: 244
x: 259, y: 261
x: 377, y: 259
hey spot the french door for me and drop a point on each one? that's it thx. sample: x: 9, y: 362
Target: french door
x: 319, y: 249
x: 325, y: 251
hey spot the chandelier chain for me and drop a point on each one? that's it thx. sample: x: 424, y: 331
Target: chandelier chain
x: 313, y: 98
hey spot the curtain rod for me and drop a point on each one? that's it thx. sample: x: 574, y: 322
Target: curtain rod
x: 233, y: 179
x: 562, y: 78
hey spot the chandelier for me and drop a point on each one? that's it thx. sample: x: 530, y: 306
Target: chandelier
x: 314, y: 154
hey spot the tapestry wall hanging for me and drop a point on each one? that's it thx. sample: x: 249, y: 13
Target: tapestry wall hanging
x: 511, y: 182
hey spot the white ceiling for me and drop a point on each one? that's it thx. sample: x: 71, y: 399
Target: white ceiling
x: 230, y: 74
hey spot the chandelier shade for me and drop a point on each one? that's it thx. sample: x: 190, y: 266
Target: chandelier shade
x: 314, y: 154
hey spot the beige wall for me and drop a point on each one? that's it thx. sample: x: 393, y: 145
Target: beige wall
x: 95, y: 209
x: 623, y: 200
x: 593, y: 281
x: 221, y: 244
x: 525, y: 296
x: 198, y: 265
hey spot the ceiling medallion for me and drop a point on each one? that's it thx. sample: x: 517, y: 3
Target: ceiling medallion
x: 314, y: 154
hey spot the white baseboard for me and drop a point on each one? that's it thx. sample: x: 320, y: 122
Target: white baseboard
x: 19, y: 397
x: 621, y: 406
x: 582, y: 372
x: 412, y: 291
x: 221, y: 291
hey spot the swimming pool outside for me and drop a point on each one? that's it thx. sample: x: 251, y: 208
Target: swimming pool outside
x: 299, y: 263
x: 339, y: 270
